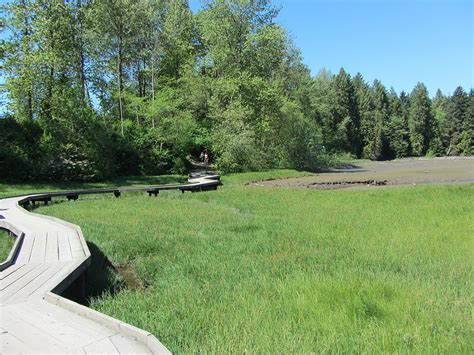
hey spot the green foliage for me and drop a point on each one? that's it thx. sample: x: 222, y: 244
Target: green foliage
x: 398, y: 136
x: 441, y: 125
x: 18, y: 157
x: 420, y: 120
x: 345, y: 120
x: 461, y: 123
x: 235, y: 142
x: 300, y: 140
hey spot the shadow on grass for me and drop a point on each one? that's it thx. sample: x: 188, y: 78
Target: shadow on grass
x: 101, y: 278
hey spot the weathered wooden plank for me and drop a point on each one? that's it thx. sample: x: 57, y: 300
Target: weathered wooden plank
x: 73, y: 320
x: 38, y: 252
x: 103, y: 346
x: 9, y: 344
x: 64, y: 249
x: 26, y: 248
x: 15, y: 288
x: 52, y: 254
x: 33, y: 337
x: 127, y: 345
x: 77, y: 249
x: 56, y: 328
x: 10, y: 270
x: 17, y: 276
x: 52, y: 274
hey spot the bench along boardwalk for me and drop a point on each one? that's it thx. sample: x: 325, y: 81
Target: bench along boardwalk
x: 48, y: 255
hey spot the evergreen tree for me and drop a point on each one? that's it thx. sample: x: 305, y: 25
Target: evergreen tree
x: 420, y: 120
x: 366, y: 107
x: 440, y: 128
x: 345, y: 120
x: 397, y: 129
x: 377, y: 148
x: 466, y: 144
x: 320, y: 100
x: 457, y: 113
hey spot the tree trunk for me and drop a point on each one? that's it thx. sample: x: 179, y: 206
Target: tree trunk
x: 29, y: 91
x: 82, y: 59
x: 30, y: 105
x: 152, y: 90
x: 120, y: 81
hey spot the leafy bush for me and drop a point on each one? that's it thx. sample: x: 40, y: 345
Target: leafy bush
x: 234, y: 143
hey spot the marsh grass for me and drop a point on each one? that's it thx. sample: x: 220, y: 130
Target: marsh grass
x: 6, y: 244
x: 245, y: 269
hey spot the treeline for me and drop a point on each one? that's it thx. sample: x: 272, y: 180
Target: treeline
x: 98, y: 88
x: 368, y: 121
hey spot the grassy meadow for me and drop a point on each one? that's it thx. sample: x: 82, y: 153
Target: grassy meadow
x: 249, y: 269
x: 6, y: 244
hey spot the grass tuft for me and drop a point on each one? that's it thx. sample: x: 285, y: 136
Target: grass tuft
x: 6, y: 244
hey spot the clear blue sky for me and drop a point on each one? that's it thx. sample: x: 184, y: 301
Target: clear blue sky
x: 399, y: 42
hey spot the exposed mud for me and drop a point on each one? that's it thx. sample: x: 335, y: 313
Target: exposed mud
x: 451, y: 170
x: 129, y: 277
x: 102, y: 277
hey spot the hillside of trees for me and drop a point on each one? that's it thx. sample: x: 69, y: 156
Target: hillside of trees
x: 98, y: 88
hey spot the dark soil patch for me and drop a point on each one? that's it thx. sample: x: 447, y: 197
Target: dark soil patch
x: 129, y: 277
x: 345, y: 184
x: 102, y: 277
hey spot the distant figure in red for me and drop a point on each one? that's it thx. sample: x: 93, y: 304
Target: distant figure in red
x: 204, y: 156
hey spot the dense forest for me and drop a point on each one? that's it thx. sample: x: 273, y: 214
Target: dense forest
x: 98, y: 88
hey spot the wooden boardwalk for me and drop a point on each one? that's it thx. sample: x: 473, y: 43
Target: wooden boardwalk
x: 51, y: 254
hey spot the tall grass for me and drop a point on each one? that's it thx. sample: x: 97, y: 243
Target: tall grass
x: 245, y: 269
x: 6, y: 244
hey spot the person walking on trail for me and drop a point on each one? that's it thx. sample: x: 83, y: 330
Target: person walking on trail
x: 201, y: 156
x: 206, y: 158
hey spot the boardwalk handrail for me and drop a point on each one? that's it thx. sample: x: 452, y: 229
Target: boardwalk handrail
x: 194, y: 184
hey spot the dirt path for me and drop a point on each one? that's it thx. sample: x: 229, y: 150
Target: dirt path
x: 397, y: 172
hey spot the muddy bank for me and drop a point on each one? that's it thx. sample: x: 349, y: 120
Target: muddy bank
x: 396, y: 172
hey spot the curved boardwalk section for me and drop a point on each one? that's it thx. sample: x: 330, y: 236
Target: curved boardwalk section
x: 49, y: 255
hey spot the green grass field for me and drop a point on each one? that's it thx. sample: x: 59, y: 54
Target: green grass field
x: 6, y: 244
x: 248, y: 269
